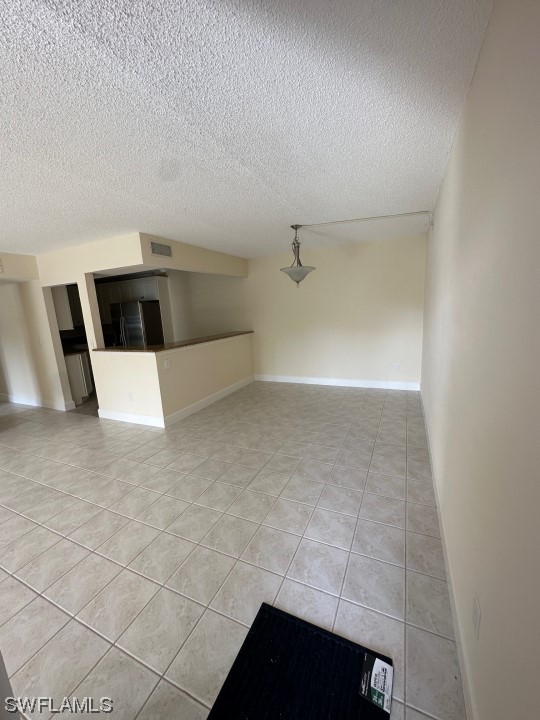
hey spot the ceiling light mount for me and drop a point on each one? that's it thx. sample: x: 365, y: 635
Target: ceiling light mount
x: 297, y: 272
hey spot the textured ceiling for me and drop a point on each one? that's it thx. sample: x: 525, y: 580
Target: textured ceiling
x: 221, y: 123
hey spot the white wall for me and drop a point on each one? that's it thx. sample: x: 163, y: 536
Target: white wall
x: 480, y: 384
x: 351, y: 320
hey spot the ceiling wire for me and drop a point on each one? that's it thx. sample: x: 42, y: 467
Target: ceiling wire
x: 367, y: 219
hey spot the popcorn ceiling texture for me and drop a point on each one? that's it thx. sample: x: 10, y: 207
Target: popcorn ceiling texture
x: 221, y: 123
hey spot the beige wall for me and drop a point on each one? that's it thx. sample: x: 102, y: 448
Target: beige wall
x: 17, y: 267
x: 33, y: 370
x: 218, y: 304
x: 205, y: 304
x: 180, y: 298
x: 18, y: 377
x: 127, y: 386
x: 192, y: 258
x: 132, y: 251
x: 62, y: 267
x: 199, y: 372
x: 351, y: 320
x: 480, y: 366
x: 90, y: 310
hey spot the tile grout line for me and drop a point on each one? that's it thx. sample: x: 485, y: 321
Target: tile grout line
x: 208, y: 607
x: 330, y: 420
x: 340, y: 597
x: 302, y: 538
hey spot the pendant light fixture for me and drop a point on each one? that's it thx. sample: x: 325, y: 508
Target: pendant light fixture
x: 297, y: 272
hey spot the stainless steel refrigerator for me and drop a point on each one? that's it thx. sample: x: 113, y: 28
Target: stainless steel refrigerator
x: 137, y: 323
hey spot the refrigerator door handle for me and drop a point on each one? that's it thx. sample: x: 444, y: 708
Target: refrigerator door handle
x: 141, y: 318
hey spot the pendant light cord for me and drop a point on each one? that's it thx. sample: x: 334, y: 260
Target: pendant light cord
x: 366, y: 219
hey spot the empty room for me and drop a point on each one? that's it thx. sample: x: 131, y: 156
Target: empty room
x: 269, y: 293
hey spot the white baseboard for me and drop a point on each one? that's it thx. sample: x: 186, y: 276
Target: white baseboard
x: 37, y: 402
x: 376, y: 384
x: 205, y: 402
x: 157, y: 421
x: 463, y: 666
x: 153, y: 421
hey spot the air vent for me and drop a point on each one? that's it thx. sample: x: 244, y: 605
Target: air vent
x: 160, y: 249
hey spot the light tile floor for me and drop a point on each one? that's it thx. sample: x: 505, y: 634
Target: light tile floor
x: 88, y: 407
x: 134, y: 559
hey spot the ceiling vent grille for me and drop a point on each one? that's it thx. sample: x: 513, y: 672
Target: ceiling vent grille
x: 161, y: 249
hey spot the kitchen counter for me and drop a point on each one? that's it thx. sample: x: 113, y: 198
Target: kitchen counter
x: 162, y: 385
x: 174, y: 345
x: 79, y: 374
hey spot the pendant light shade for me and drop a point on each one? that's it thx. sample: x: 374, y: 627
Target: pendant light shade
x: 297, y: 272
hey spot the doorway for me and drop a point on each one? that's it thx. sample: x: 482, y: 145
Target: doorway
x: 69, y: 315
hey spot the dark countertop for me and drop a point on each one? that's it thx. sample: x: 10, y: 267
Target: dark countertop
x: 174, y: 345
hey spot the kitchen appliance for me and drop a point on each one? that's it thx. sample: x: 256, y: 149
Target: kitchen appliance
x: 137, y: 323
x: 79, y: 375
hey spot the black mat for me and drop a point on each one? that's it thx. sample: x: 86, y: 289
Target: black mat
x: 292, y: 670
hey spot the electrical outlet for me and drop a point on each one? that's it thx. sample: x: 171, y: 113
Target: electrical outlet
x: 476, y: 615
x: 167, y: 364
x: 130, y: 396
x: 397, y: 365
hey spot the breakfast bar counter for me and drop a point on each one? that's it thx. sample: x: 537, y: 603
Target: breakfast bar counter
x: 161, y: 384
x: 174, y: 345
